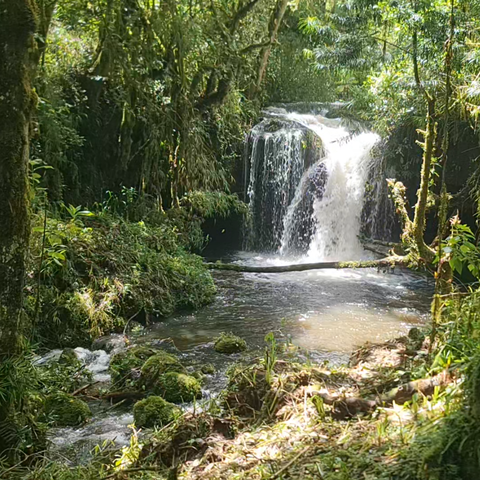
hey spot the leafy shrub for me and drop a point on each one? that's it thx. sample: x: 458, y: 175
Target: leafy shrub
x: 95, y: 277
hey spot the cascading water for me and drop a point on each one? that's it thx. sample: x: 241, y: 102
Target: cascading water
x: 311, y: 209
x: 277, y: 165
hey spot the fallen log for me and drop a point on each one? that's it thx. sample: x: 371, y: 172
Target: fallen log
x: 388, y: 262
x: 347, y: 407
x: 121, y: 396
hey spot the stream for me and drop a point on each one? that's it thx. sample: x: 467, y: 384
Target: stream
x: 328, y: 313
x: 306, y: 204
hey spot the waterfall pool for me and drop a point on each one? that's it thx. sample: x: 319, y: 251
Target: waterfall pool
x: 328, y: 313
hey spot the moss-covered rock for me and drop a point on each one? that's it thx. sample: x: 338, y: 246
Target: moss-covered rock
x: 178, y: 387
x: 208, y: 369
x: 154, y: 412
x: 157, y: 365
x: 69, y: 357
x: 125, y: 366
x: 65, y: 410
x: 229, y: 343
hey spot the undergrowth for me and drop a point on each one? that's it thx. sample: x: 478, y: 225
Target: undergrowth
x: 92, y: 272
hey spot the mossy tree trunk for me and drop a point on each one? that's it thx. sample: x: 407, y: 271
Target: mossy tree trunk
x: 17, y: 102
x: 273, y: 28
x: 418, y: 227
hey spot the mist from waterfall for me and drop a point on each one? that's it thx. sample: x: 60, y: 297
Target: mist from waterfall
x: 320, y: 217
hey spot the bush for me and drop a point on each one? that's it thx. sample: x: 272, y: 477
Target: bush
x: 229, y: 343
x: 178, y: 387
x: 154, y: 412
x: 100, y: 271
x: 65, y: 410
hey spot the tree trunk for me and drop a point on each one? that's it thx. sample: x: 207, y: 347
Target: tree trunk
x: 17, y: 102
x: 388, y: 262
x: 273, y: 28
x: 418, y: 227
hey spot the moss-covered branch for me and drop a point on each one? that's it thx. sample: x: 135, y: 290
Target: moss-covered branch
x: 389, y: 262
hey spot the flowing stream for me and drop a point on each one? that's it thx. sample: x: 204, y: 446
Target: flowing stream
x: 305, y: 206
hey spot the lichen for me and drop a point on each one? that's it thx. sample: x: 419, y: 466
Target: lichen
x: 229, y: 343
x: 154, y: 412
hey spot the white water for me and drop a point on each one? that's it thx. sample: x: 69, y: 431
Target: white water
x: 334, y: 187
x: 337, y: 214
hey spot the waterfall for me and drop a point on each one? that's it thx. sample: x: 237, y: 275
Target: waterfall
x: 277, y: 163
x: 306, y: 201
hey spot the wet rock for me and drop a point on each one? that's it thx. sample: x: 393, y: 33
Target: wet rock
x: 110, y: 343
x: 65, y: 410
x: 229, y: 343
x: 154, y: 412
x: 166, y: 344
x: 158, y: 365
x: 178, y: 387
x: 125, y: 366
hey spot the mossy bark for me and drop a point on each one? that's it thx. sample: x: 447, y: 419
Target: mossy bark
x: 17, y: 101
x: 388, y: 263
x: 418, y: 227
x: 273, y: 28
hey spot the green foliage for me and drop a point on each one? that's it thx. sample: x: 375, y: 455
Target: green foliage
x: 66, y: 410
x: 229, y: 343
x: 461, y: 249
x: 95, y: 277
x: 21, y: 400
x: 178, y: 387
x: 62, y: 375
x: 154, y: 412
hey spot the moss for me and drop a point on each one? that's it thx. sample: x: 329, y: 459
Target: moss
x: 178, y: 387
x: 157, y: 365
x: 230, y: 343
x: 125, y: 366
x: 208, y: 369
x: 65, y: 410
x: 69, y: 357
x: 154, y: 412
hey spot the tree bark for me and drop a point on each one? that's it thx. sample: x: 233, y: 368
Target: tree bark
x: 388, y: 262
x: 273, y: 28
x: 17, y: 102
x: 418, y: 227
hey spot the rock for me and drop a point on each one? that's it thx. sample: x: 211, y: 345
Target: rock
x: 69, y: 357
x: 65, y: 410
x: 229, y: 343
x: 156, y: 366
x: 125, y: 366
x: 208, y: 369
x: 178, y: 387
x: 154, y: 412
x: 110, y: 343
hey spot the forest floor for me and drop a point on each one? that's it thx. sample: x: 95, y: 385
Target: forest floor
x: 285, y: 420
